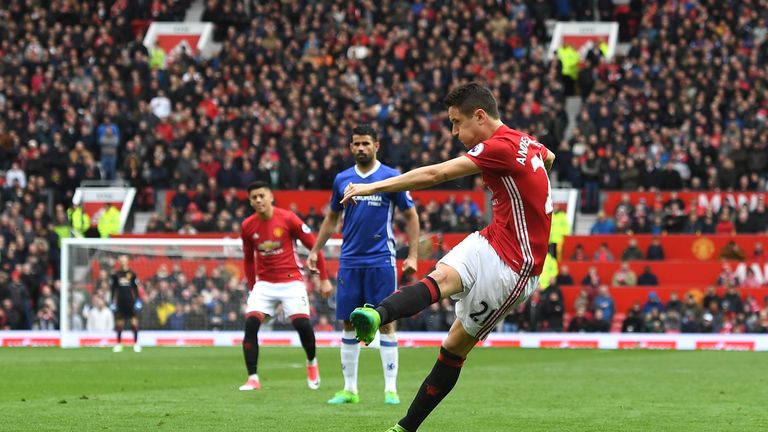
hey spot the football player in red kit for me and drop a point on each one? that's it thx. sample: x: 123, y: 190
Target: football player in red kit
x: 274, y: 275
x: 490, y: 271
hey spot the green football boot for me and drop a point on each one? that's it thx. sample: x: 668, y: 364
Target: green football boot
x: 391, y: 398
x: 366, y: 322
x: 344, y: 397
x: 396, y: 428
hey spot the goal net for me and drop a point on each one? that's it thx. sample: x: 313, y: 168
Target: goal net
x: 185, y: 285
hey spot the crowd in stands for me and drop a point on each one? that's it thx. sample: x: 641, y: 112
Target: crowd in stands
x: 675, y: 216
x: 686, y: 107
x: 81, y: 98
x: 594, y: 311
x: 200, y: 212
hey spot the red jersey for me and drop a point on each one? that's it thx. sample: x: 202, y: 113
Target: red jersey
x: 269, y: 243
x: 512, y: 167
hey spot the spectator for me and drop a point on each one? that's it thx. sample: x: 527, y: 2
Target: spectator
x: 632, y: 252
x: 653, y: 302
x: 732, y: 300
x: 674, y: 303
x: 603, y: 254
x: 691, y: 315
x: 759, y: 255
x: 99, y: 317
x: 710, y: 297
x: 725, y: 226
x: 603, y: 225
x: 647, y: 278
x: 624, y: 276
x: 531, y: 315
x: 579, y: 254
x: 751, y: 280
x: 758, y: 219
x: 564, y: 277
x: 604, y: 303
x: 732, y: 251
x: 599, y: 323
x: 743, y: 224
x: 592, y: 278
x: 654, y: 321
x: 633, y: 321
x: 712, y: 319
x: 655, y: 250
x: 552, y: 311
x: 580, y: 323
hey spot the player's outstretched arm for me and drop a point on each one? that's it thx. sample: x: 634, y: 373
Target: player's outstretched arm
x: 412, y: 231
x: 420, y: 178
x: 327, y: 228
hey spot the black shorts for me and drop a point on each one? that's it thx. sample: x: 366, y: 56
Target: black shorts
x: 124, y: 311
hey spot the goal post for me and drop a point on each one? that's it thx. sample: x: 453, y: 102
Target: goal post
x: 174, y: 273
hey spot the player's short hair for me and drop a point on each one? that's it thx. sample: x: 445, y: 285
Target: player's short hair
x: 365, y: 129
x: 471, y: 96
x: 258, y: 184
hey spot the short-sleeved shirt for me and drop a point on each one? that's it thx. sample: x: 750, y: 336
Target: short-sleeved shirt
x: 272, y: 242
x: 367, y: 227
x: 512, y: 167
x: 125, y: 288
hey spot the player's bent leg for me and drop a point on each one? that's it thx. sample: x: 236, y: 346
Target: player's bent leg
x: 443, y: 282
x: 443, y: 377
x: 251, y: 350
x: 350, y: 356
x: 307, y: 336
x: 389, y: 362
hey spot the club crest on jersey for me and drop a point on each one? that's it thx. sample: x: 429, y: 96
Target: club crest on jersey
x: 476, y: 150
x: 278, y: 232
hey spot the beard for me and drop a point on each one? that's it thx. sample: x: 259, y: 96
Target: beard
x: 363, y: 159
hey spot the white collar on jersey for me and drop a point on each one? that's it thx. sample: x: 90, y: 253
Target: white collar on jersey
x: 373, y: 170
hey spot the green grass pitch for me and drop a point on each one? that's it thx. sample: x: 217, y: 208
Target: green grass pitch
x: 188, y: 389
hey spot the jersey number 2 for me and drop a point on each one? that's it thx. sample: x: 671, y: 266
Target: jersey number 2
x: 536, y: 163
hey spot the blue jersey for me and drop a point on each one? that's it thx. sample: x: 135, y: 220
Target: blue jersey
x: 367, y: 227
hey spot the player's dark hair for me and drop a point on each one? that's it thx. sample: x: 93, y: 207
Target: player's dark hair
x: 471, y: 96
x: 365, y: 129
x: 258, y: 184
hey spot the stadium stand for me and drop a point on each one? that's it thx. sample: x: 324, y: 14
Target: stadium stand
x: 278, y: 101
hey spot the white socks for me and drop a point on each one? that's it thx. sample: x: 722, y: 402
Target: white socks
x: 350, y: 355
x: 389, y: 363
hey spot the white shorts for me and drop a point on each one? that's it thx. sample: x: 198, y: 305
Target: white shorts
x: 265, y: 295
x: 491, y: 288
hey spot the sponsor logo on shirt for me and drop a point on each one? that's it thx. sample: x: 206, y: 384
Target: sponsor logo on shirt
x: 371, y: 200
x: 270, y: 247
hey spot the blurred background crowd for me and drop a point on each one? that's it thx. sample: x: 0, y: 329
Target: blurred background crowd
x: 81, y: 98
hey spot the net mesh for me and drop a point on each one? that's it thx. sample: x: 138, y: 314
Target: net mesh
x: 183, y: 285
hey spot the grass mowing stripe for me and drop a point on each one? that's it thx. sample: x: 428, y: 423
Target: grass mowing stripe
x: 499, y: 390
